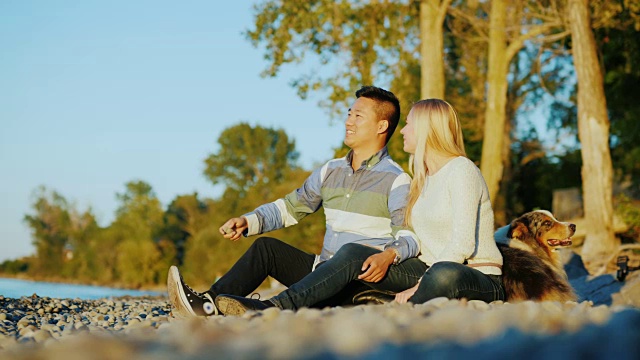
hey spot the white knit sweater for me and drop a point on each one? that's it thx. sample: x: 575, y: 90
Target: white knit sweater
x: 454, y: 220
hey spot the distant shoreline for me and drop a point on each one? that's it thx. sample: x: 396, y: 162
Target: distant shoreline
x: 156, y: 288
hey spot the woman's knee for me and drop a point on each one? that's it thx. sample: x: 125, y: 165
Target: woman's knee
x: 443, y: 277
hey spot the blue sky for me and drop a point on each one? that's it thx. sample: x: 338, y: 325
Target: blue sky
x: 97, y: 93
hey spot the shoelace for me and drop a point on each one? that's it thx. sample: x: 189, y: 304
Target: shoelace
x: 255, y: 298
x: 202, y: 295
x: 189, y: 287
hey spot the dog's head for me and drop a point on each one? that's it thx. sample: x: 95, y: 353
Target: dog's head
x: 542, y: 227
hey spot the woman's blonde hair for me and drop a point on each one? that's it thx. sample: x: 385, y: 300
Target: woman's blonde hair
x: 437, y: 128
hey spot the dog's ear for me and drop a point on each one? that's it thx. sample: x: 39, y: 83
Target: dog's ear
x: 518, y: 230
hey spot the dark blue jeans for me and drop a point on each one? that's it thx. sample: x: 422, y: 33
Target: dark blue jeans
x: 343, y: 268
x: 457, y: 281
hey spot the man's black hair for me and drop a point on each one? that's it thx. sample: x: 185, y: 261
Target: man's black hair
x: 387, y: 107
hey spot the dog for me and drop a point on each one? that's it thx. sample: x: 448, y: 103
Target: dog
x: 532, y: 268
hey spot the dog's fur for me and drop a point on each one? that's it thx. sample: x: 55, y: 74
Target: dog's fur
x: 532, y: 268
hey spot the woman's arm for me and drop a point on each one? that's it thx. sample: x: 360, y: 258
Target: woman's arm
x: 465, y: 188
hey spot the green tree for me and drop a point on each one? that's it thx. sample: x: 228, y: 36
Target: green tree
x: 184, y: 218
x: 138, y: 221
x: 363, y: 40
x: 618, y: 44
x: 50, y: 228
x: 255, y: 158
x: 80, y: 256
x: 103, y: 249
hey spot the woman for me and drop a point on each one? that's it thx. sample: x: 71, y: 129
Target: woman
x: 450, y: 212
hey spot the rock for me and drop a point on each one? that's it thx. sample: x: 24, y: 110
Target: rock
x: 79, y: 326
x: 274, y: 312
x: 49, y: 327
x: 479, y: 305
x: 23, y: 322
x: 27, y: 331
x: 41, y: 335
x: 437, y: 302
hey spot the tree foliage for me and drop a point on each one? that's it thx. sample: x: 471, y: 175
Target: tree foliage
x: 51, y: 227
x: 251, y: 158
x: 137, y: 223
x: 362, y: 40
x: 619, y: 46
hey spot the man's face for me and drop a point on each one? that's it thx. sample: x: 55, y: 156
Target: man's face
x: 362, y: 123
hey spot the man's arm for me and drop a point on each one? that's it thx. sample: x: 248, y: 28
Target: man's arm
x: 289, y: 210
x: 405, y: 242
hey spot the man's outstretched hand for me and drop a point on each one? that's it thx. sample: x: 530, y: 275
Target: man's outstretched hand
x: 234, y: 228
x: 376, y: 266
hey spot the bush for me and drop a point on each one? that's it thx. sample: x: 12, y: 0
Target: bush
x: 629, y: 210
x: 17, y: 266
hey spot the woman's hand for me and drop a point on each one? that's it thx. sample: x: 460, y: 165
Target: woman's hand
x: 403, y: 297
x: 376, y: 266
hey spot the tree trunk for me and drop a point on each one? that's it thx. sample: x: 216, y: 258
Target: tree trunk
x: 593, y: 131
x: 492, y: 146
x: 432, y: 14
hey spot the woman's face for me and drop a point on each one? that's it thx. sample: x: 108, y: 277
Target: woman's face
x: 409, y: 135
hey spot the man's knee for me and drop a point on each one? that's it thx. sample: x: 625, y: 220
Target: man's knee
x: 266, y: 242
x: 352, y: 250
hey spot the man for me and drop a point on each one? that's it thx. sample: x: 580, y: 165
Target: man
x: 364, y: 197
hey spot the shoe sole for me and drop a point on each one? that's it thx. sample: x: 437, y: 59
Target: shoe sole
x: 179, y: 303
x: 229, y: 306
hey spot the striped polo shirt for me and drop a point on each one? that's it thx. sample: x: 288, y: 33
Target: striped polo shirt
x: 365, y: 206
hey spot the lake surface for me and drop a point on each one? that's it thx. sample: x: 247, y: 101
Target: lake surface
x: 15, y: 288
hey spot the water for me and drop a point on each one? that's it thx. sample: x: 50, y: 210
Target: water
x: 14, y: 288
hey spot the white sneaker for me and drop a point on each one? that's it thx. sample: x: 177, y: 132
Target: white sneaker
x: 185, y: 302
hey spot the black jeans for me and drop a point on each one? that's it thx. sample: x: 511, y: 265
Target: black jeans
x: 342, y: 269
x: 266, y: 257
x: 448, y: 279
x: 288, y: 265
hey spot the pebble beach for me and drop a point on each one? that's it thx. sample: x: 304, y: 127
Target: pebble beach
x: 144, y: 328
